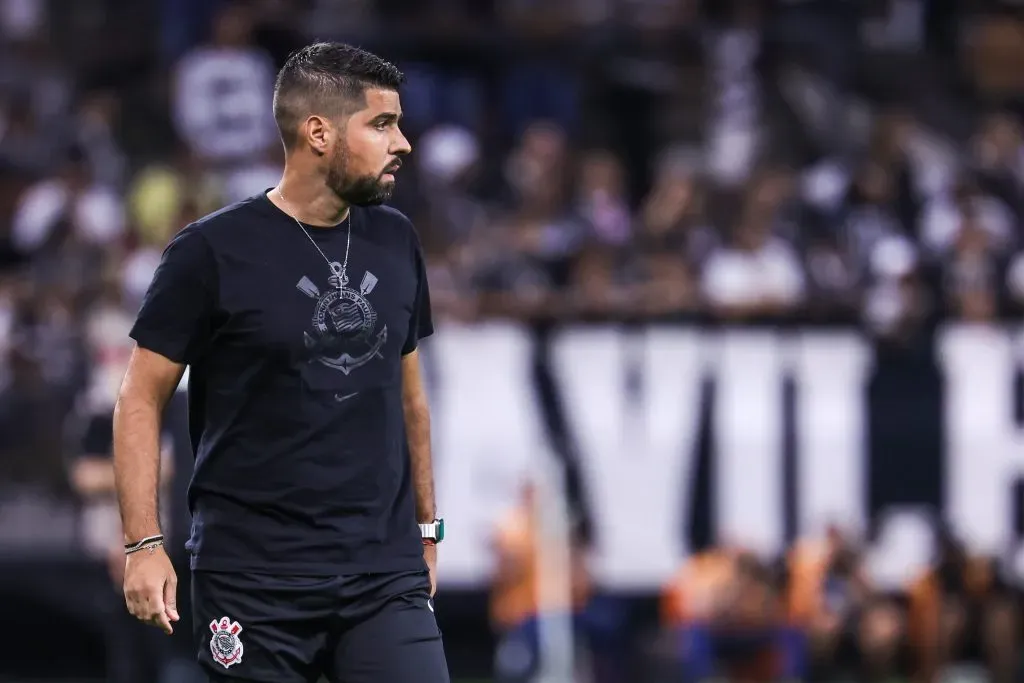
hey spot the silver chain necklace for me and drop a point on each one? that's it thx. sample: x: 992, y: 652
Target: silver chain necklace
x: 339, y: 271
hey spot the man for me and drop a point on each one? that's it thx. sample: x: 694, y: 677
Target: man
x: 298, y: 313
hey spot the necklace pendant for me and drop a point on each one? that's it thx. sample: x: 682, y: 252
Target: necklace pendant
x: 338, y: 276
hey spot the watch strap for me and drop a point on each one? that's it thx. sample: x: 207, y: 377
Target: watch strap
x: 432, y: 532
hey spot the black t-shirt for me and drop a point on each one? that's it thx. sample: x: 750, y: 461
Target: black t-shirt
x: 295, y: 395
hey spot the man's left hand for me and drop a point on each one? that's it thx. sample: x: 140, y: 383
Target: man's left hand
x: 430, y: 555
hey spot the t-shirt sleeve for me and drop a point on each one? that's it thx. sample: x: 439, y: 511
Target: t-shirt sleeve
x: 422, y: 324
x: 175, y: 318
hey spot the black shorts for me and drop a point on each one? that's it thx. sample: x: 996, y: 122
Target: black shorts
x: 365, y: 628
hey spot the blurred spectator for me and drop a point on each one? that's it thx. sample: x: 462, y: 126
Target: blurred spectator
x: 850, y: 629
x: 64, y: 223
x: 974, y: 273
x: 165, y: 197
x: 145, y: 652
x: 25, y: 145
x: 31, y: 70
x: 516, y: 607
x: 833, y: 276
x: 601, y: 198
x: 672, y: 218
x: 96, y: 125
x: 539, y: 239
x: 43, y: 364
x: 537, y: 169
x: 871, y: 212
x: 448, y: 164
x: 223, y: 93
x: 883, y: 199
x: 945, y: 214
x: 899, y: 300
x: 595, y: 287
x: 454, y: 222
x: 961, y: 611
x: 31, y: 451
x: 672, y: 241
x: 149, y: 655
x: 758, y: 275
x: 92, y: 477
x: 724, y: 608
x: 735, y: 127
x: 997, y: 158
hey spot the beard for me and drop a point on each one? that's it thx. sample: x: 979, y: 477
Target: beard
x: 363, y: 190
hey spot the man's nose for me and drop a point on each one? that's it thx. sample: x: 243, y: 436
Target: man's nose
x: 401, y: 145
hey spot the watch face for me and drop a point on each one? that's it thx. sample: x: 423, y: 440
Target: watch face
x: 440, y: 530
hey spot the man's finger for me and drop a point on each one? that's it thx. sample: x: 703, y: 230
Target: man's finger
x: 171, y: 599
x: 152, y: 603
x: 163, y: 623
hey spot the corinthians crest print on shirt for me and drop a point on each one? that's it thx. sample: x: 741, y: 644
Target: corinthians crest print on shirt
x: 344, y: 333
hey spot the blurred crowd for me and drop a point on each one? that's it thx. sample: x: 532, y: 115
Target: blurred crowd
x: 818, y: 613
x: 832, y: 162
x: 632, y: 173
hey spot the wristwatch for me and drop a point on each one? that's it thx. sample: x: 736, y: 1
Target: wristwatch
x: 433, y: 532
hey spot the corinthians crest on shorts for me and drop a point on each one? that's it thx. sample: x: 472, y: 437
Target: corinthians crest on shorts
x: 345, y: 334
x: 225, y: 645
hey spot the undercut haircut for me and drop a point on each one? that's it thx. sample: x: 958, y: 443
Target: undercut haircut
x: 328, y: 79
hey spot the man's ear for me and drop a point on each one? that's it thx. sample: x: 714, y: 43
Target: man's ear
x: 318, y: 133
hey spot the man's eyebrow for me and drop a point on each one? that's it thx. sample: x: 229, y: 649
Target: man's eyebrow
x: 389, y: 117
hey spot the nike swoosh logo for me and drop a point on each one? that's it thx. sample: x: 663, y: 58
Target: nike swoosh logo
x: 344, y: 397
x: 430, y: 605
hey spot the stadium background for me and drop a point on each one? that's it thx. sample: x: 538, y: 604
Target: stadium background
x: 708, y: 272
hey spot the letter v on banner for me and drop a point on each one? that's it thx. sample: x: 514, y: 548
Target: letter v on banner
x: 637, y: 447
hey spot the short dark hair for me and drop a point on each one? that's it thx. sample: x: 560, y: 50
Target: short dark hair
x: 330, y: 79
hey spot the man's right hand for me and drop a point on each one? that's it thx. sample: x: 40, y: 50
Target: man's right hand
x: 150, y: 587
